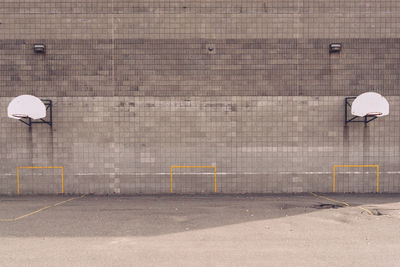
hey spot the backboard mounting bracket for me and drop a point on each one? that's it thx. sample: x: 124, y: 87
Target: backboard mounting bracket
x: 49, y: 108
x: 348, y: 116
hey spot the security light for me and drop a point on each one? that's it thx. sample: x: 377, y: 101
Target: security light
x: 335, y: 48
x: 39, y: 48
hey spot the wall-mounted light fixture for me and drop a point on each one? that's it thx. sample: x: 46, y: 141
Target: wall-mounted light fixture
x: 39, y: 48
x: 335, y: 48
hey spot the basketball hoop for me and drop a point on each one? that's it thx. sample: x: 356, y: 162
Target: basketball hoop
x: 30, y: 109
x: 26, y: 106
x: 365, y: 107
x: 370, y: 104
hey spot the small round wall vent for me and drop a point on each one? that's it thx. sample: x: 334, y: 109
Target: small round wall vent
x: 211, y: 48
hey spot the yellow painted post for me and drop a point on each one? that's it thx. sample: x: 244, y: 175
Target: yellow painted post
x: 377, y: 178
x: 334, y: 166
x: 62, y: 180
x: 171, y: 179
x: 215, y: 178
x: 18, y: 180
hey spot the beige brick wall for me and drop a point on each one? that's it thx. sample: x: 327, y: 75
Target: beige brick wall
x: 136, y: 90
x: 258, y: 144
x: 70, y: 19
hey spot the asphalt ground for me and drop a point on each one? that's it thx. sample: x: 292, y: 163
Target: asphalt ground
x: 201, y: 230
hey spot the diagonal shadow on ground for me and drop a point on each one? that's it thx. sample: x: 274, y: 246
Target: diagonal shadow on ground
x: 144, y: 215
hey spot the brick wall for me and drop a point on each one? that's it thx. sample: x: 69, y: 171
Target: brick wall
x: 186, y: 67
x: 246, y: 86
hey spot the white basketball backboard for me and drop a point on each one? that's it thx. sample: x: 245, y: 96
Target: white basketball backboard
x: 26, y: 106
x: 370, y: 104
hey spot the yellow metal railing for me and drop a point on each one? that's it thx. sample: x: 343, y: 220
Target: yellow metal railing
x: 181, y: 167
x: 51, y: 167
x: 371, y: 166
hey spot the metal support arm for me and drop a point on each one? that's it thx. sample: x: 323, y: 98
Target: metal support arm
x: 347, y: 106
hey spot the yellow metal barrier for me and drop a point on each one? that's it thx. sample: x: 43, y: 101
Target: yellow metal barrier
x: 51, y: 167
x: 372, y: 166
x: 181, y: 167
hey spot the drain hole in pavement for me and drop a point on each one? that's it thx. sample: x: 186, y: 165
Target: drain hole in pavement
x: 327, y: 206
x: 376, y: 212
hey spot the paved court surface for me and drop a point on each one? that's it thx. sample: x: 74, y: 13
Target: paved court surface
x: 214, y: 230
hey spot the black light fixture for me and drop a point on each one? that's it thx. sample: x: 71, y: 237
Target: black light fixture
x: 39, y: 48
x: 335, y: 48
